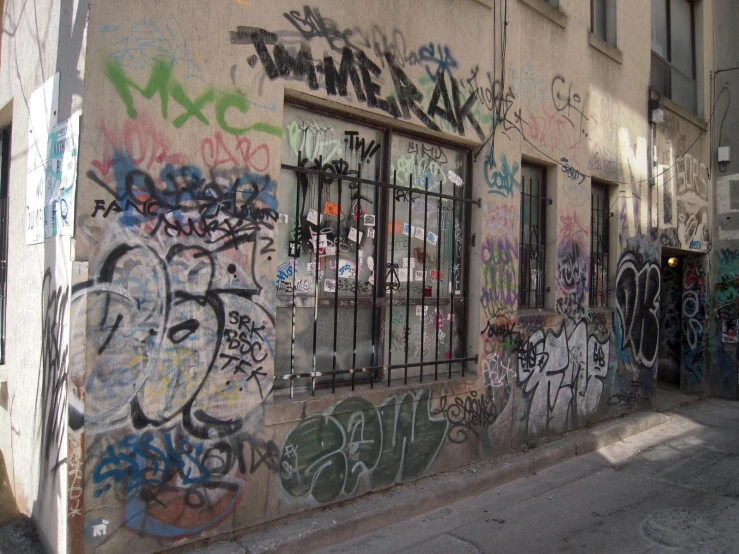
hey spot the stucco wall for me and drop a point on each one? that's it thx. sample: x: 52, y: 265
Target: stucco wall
x: 723, y: 303
x: 178, y: 446
x: 39, y: 39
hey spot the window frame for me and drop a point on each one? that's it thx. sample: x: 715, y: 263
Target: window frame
x: 5, y: 159
x: 667, y: 61
x: 605, y: 251
x: 543, y: 200
x: 464, y: 204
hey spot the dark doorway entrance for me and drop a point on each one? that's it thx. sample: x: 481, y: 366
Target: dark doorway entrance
x: 670, y: 310
x: 681, y: 359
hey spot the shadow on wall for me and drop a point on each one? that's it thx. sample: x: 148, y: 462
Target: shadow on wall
x: 8, y: 508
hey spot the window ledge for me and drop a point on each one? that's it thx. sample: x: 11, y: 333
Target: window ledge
x: 605, y: 310
x: 528, y: 312
x: 547, y: 10
x: 601, y: 45
x: 677, y: 109
x: 283, y: 409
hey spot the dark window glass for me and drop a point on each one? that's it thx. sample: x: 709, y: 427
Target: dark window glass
x: 673, y: 52
x: 598, y: 16
x: 659, y: 27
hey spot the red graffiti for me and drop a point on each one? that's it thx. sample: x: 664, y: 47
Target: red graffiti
x: 216, y: 153
x: 143, y: 142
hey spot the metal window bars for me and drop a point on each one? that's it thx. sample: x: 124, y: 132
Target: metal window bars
x: 532, y: 250
x: 599, y: 248
x: 390, y: 305
x: 3, y: 271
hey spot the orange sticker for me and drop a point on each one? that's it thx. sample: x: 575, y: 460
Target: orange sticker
x: 394, y: 227
x: 332, y: 209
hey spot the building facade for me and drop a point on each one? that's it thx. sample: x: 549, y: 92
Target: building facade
x: 273, y: 257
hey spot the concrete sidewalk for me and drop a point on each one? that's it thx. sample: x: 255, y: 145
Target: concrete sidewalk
x: 326, y: 527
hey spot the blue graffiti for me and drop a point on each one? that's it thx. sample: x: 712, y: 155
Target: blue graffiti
x: 502, y: 181
x: 437, y: 59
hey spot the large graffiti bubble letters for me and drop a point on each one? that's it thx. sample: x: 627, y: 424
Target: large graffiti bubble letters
x: 637, y: 304
x: 562, y: 376
x: 327, y: 455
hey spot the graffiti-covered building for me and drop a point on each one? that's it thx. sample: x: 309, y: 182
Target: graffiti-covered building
x: 274, y: 256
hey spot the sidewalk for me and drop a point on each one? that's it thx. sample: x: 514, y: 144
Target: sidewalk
x: 326, y: 527
x: 674, y: 488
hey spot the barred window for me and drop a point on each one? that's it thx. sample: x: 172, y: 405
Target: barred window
x: 599, y: 217
x: 533, y: 239
x: 372, y: 252
x: 4, y: 188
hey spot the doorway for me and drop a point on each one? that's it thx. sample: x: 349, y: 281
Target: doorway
x: 681, y: 358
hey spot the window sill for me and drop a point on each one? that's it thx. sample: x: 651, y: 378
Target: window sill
x: 283, y: 409
x: 528, y: 312
x: 604, y: 311
x: 547, y: 10
x: 678, y: 110
x: 602, y: 46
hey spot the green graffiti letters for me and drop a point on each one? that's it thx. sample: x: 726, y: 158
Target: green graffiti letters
x: 162, y: 83
x: 326, y: 456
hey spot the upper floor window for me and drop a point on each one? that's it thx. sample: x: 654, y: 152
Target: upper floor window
x: 603, y: 20
x: 599, y: 250
x: 673, y: 51
x: 533, y: 239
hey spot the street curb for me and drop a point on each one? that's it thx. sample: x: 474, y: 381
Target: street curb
x: 326, y: 527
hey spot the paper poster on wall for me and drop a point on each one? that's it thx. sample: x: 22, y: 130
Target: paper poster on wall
x: 42, y: 117
x: 61, y: 178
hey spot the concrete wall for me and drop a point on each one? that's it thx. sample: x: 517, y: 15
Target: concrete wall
x: 723, y: 304
x: 39, y: 39
x: 172, y: 306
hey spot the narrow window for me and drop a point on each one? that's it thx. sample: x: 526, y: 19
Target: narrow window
x: 533, y: 239
x: 4, y: 186
x: 599, y: 246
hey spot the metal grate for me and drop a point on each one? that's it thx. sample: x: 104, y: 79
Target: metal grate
x: 599, y: 247
x: 404, y: 285
x: 532, y: 248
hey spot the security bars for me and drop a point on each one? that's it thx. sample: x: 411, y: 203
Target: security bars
x: 532, y: 248
x: 599, y: 247
x: 402, y: 310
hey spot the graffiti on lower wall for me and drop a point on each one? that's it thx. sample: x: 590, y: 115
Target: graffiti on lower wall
x: 693, y: 324
x: 330, y: 456
x: 561, y: 375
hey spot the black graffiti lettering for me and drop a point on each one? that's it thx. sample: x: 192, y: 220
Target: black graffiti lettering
x: 637, y: 304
